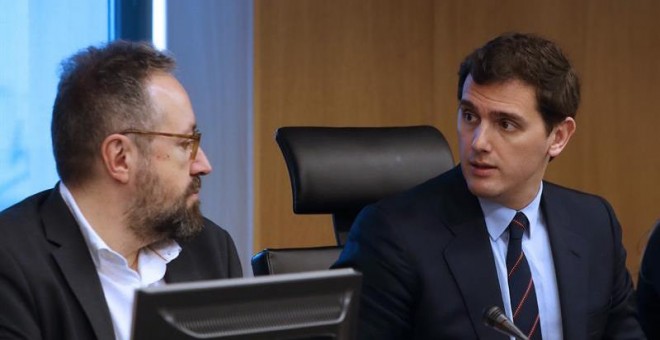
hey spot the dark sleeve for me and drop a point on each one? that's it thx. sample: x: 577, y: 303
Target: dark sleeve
x: 648, y: 287
x: 622, y: 321
x: 388, y: 281
x: 17, y: 320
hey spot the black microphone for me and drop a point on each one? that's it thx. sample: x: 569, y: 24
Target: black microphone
x: 495, y: 318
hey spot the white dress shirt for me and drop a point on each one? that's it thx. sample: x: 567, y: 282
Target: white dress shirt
x: 536, y: 245
x: 118, y: 280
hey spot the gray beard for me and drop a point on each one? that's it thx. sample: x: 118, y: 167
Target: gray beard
x: 155, y: 216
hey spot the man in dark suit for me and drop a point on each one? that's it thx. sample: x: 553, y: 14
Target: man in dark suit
x: 491, y: 232
x: 648, y: 286
x: 126, y: 212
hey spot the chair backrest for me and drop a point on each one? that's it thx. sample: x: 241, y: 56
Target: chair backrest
x: 339, y: 170
x: 293, y: 260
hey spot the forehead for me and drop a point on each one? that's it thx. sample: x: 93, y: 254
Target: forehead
x: 513, y: 96
x: 171, y: 103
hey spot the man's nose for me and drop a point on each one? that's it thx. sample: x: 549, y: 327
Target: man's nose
x: 200, y: 165
x: 481, y: 139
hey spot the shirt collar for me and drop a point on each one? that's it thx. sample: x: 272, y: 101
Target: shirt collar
x: 498, y: 217
x: 167, y: 250
x: 94, y: 242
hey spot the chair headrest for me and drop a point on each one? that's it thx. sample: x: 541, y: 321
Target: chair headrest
x: 334, y: 170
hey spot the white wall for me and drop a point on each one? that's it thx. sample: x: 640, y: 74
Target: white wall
x: 212, y: 42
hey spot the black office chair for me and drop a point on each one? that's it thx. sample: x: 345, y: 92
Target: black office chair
x: 293, y: 260
x: 340, y: 170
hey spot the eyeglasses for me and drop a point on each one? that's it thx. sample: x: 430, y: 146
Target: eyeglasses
x: 195, y: 138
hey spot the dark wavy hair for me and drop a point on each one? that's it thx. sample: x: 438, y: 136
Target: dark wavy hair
x: 535, y: 61
x: 101, y: 91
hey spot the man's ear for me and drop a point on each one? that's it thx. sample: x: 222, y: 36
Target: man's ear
x: 562, y: 133
x: 119, y: 154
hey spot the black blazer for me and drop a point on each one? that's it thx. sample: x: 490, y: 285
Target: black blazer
x: 648, y: 286
x: 49, y: 287
x: 429, y: 270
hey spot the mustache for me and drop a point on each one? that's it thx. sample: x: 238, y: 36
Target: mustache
x: 195, y: 186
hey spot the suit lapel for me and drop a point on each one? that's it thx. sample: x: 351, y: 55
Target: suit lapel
x: 73, y: 258
x: 568, y: 251
x: 470, y: 259
x: 182, y: 269
x: 469, y: 255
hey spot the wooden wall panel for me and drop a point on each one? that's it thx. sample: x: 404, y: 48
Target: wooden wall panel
x: 394, y: 62
x: 331, y: 63
x: 618, y: 149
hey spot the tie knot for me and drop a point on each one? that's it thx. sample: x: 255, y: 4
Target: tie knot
x: 518, y: 226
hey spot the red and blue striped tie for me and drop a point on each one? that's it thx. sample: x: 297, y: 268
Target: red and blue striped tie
x: 521, y: 286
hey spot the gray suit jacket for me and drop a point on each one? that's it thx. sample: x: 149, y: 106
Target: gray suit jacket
x: 49, y: 288
x: 429, y: 270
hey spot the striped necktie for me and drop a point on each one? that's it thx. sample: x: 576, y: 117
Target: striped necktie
x: 521, y: 285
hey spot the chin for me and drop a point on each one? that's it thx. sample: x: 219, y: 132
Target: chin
x: 482, y: 190
x: 192, y: 200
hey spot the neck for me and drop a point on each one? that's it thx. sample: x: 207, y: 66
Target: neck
x: 132, y: 260
x: 525, y: 200
x: 103, y: 209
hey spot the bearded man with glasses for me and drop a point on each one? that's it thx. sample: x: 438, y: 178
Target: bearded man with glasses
x: 126, y: 213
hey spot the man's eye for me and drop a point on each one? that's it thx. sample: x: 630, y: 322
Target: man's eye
x: 469, y: 116
x: 507, y: 125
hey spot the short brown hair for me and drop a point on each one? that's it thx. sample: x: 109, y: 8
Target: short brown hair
x: 534, y: 60
x: 101, y: 91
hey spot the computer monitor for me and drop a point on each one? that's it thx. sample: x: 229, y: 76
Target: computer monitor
x: 309, y: 305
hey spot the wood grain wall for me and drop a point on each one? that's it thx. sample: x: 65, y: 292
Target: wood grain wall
x: 394, y: 62
x: 332, y: 63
